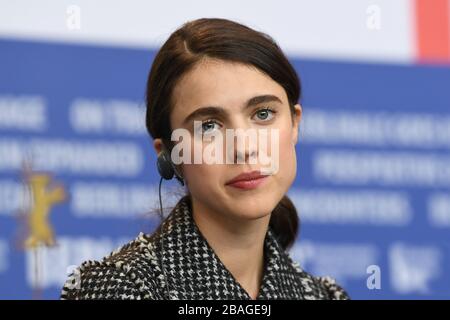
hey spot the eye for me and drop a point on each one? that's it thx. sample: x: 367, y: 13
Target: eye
x: 265, y: 114
x: 208, y: 126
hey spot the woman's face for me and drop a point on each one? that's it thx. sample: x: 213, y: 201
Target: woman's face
x: 230, y: 85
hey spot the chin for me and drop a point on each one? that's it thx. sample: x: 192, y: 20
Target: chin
x: 253, y: 210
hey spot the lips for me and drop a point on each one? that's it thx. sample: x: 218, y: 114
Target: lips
x: 247, y: 180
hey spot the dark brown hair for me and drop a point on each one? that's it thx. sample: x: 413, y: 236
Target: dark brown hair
x: 229, y: 41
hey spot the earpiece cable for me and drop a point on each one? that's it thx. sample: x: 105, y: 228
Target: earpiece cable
x: 162, y: 240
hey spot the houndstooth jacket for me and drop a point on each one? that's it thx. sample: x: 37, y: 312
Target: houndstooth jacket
x: 190, y: 268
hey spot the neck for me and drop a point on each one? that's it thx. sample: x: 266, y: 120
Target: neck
x: 239, y: 244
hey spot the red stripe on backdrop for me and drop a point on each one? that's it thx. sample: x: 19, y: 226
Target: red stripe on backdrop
x: 432, y: 30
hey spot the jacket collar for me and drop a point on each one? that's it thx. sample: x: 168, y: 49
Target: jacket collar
x: 194, y: 271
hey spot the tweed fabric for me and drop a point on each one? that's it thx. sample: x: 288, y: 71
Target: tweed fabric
x: 192, y: 269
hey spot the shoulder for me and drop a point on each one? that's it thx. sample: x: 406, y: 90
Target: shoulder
x: 333, y: 290
x: 319, y: 287
x: 130, y: 272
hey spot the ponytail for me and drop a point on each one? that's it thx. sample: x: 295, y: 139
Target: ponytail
x: 284, y: 222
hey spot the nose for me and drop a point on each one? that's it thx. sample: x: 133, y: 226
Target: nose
x: 245, y: 146
x: 245, y: 157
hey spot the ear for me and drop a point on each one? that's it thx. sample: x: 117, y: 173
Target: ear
x: 157, y: 144
x: 297, y: 117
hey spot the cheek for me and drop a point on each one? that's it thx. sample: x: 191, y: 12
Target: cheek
x: 287, y: 155
x: 201, y: 176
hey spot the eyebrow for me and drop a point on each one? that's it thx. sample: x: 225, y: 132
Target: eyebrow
x: 221, y: 111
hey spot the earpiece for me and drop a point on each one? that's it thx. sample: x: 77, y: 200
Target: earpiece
x: 166, y: 167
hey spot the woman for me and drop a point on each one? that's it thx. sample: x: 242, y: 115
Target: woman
x: 228, y: 237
